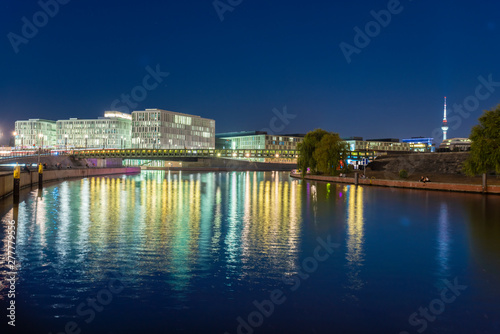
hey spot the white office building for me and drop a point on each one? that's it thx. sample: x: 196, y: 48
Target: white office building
x: 157, y: 128
x: 35, y: 133
x: 257, y: 140
x: 114, y: 130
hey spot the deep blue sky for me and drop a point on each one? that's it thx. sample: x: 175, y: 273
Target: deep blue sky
x: 263, y: 55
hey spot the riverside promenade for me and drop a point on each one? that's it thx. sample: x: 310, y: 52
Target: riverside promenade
x: 470, y: 188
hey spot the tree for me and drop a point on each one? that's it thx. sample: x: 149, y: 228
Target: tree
x: 330, y: 151
x: 321, y: 151
x: 485, y: 148
x: 306, y: 150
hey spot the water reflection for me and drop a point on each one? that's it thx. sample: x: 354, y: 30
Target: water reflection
x: 205, y: 246
x: 166, y: 227
x: 355, y: 255
x: 443, y: 242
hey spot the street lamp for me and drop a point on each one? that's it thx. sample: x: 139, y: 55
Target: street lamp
x: 15, y: 139
x: 86, y: 137
x: 40, y: 135
x: 65, y: 142
x: 121, y: 142
x: 22, y: 141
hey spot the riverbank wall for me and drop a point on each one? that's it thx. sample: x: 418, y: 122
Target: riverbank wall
x: 470, y: 188
x: 441, y: 163
x: 31, y: 179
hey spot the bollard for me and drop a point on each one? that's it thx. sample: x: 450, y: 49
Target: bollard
x: 40, y: 176
x: 485, y: 183
x: 356, y: 177
x: 17, y: 183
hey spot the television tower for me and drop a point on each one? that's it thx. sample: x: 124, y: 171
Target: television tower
x: 445, y: 122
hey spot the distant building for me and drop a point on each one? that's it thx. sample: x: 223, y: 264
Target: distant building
x: 114, y: 130
x: 455, y: 144
x: 157, y: 128
x: 257, y: 140
x: 35, y: 133
x: 384, y: 145
x: 420, y: 144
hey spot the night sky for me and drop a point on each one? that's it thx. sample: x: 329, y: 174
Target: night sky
x: 239, y: 63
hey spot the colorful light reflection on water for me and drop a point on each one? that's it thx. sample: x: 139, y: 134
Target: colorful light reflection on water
x: 194, y: 251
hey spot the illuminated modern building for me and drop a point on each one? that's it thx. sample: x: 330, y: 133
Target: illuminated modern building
x: 455, y: 144
x: 35, y: 133
x: 386, y: 145
x: 257, y: 140
x: 157, y: 128
x: 445, y: 122
x: 114, y: 130
x: 420, y: 144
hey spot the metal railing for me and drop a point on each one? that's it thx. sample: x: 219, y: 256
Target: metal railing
x: 186, y: 153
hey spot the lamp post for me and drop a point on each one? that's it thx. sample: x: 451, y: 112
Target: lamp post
x: 22, y: 141
x: 65, y: 142
x: 40, y: 135
x: 121, y: 142
x: 86, y: 137
x: 15, y: 139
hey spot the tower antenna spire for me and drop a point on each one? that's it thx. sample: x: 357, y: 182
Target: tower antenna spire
x: 445, y: 122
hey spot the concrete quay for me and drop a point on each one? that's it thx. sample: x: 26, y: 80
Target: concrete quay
x: 31, y: 179
x: 470, y: 188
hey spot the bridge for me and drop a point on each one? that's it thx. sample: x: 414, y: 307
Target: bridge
x: 288, y: 156
x: 163, y: 154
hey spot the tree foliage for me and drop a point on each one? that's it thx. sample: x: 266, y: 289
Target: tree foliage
x: 485, y: 148
x: 321, y: 151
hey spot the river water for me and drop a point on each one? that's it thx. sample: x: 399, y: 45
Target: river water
x: 249, y: 252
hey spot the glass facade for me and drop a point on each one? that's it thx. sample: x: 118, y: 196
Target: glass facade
x: 35, y: 133
x: 258, y: 141
x: 111, y: 131
x: 455, y: 144
x: 382, y: 146
x: 157, y: 128
x: 420, y: 144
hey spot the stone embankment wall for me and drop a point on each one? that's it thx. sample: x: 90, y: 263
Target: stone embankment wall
x: 436, y: 163
x: 64, y: 160
x: 31, y: 179
x: 473, y: 188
